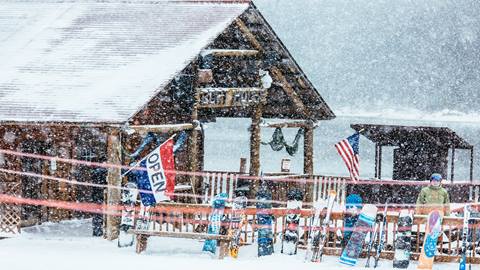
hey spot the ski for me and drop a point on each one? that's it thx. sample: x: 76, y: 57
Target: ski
x: 465, y: 232
x: 373, y: 237
x: 403, y: 245
x: 237, y: 222
x: 382, y: 235
x: 215, y: 220
x: 363, y: 226
x: 129, y: 199
x: 432, y: 232
x: 313, y: 230
x: 292, y: 221
x: 320, y: 241
x: 264, y: 221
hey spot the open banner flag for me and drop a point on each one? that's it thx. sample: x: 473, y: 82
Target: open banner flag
x: 159, y: 176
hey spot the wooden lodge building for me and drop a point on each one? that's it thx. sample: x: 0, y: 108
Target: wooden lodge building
x: 86, y: 80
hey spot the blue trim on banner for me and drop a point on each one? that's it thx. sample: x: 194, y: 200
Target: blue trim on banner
x: 144, y: 184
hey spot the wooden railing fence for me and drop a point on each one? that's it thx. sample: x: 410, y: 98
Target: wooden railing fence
x: 194, y: 218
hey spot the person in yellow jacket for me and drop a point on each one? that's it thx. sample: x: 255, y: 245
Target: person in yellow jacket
x: 433, y: 197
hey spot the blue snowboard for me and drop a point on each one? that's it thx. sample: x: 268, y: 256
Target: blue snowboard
x: 363, y: 226
x: 264, y: 221
x: 435, y: 224
x: 215, y: 219
x: 353, y: 207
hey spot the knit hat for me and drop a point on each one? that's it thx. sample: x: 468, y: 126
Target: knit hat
x: 436, y: 177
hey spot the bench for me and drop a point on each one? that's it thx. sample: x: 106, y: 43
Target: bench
x: 142, y: 238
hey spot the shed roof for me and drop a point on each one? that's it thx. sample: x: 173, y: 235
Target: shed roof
x: 89, y: 61
x: 391, y: 135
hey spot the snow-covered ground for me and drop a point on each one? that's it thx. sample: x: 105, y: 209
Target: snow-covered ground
x: 68, y: 245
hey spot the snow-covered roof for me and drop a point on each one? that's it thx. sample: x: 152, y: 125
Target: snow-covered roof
x: 89, y: 61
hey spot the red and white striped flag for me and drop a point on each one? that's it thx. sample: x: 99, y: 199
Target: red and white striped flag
x: 348, y: 150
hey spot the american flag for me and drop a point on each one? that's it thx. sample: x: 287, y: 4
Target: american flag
x: 348, y: 150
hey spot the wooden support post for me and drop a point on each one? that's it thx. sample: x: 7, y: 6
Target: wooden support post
x: 255, y: 141
x: 114, y: 180
x: 193, y: 148
x: 471, y: 165
x: 308, y: 150
x: 378, y: 161
x: 453, y: 164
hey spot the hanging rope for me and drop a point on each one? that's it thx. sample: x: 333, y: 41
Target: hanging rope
x: 278, y: 141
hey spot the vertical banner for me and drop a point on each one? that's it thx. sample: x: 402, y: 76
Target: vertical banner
x: 159, y: 176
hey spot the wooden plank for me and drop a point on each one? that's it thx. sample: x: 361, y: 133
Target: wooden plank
x: 289, y: 124
x: 230, y: 52
x: 278, y: 76
x: 188, y: 235
x: 161, y: 128
x: 210, y: 97
x: 248, y: 35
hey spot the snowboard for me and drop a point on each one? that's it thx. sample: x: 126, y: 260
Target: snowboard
x: 403, y: 245
x: 264, y: 221
x: 363, y: 226
x: 314, y: 228
x: 353, y: 206
x: 292, y: 222
x: 433, y: 230
x: 215, y: 221
x: 129, y: 199
x: 237, y: 221
x: 465, y: 233
x: 321, y: 240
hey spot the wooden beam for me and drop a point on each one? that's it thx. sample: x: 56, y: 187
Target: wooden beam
x: 161, y: 128
x: 114, y: 179
x: 248, y: 34
x: 289, y: 124
x: 308, y: 150
x: 230, y: 52
x: 278, y: 76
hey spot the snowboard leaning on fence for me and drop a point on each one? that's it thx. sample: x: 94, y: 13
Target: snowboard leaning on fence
x: 237, y: 221
x: 215, y: 221
x: 264, y: 221
x: 353, y: 208
x: 465, y: 233
x: 320, y: 239
x: 403, y: 245
x: 292, y: 222
x: 363, y: 226
x: 432, y: 232
x: 129, y: 198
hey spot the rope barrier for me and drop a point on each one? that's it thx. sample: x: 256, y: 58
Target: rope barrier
x: 115, y: 210
x: 301, y: 180
x: 185, y: 195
